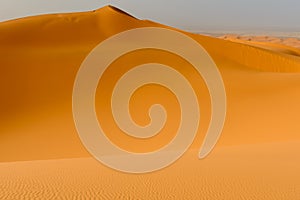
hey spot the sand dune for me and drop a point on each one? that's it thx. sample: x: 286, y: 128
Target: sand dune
x: 284, y: 45
x: 256, y: 157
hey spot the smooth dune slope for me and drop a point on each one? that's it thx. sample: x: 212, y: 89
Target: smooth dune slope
x: 41, y: 156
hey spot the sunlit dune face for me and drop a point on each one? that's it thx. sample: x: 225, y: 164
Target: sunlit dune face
x: 147, y: 96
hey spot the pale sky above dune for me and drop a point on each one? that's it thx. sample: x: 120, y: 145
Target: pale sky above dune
x: 196, y: 15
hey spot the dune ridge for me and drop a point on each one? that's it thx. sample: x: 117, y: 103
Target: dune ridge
x: 90, y: 29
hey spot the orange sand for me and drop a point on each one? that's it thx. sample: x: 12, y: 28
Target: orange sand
x: 257, y: 156
x: 283, y: 45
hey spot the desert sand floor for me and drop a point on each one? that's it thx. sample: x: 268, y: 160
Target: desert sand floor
x: 262, y: 171
x: 41, y: 156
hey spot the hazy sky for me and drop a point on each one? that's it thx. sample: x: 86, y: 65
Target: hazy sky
x: 254, y: 15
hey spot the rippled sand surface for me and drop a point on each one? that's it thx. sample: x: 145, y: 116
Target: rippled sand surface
x: 268, y: 171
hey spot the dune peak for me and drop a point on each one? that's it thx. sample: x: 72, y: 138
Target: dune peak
x: 114, y: 9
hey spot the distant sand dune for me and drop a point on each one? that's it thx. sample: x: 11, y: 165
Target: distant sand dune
x: 284, y: 45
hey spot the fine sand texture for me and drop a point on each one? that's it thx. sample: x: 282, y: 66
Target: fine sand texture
x: 42, y: 157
